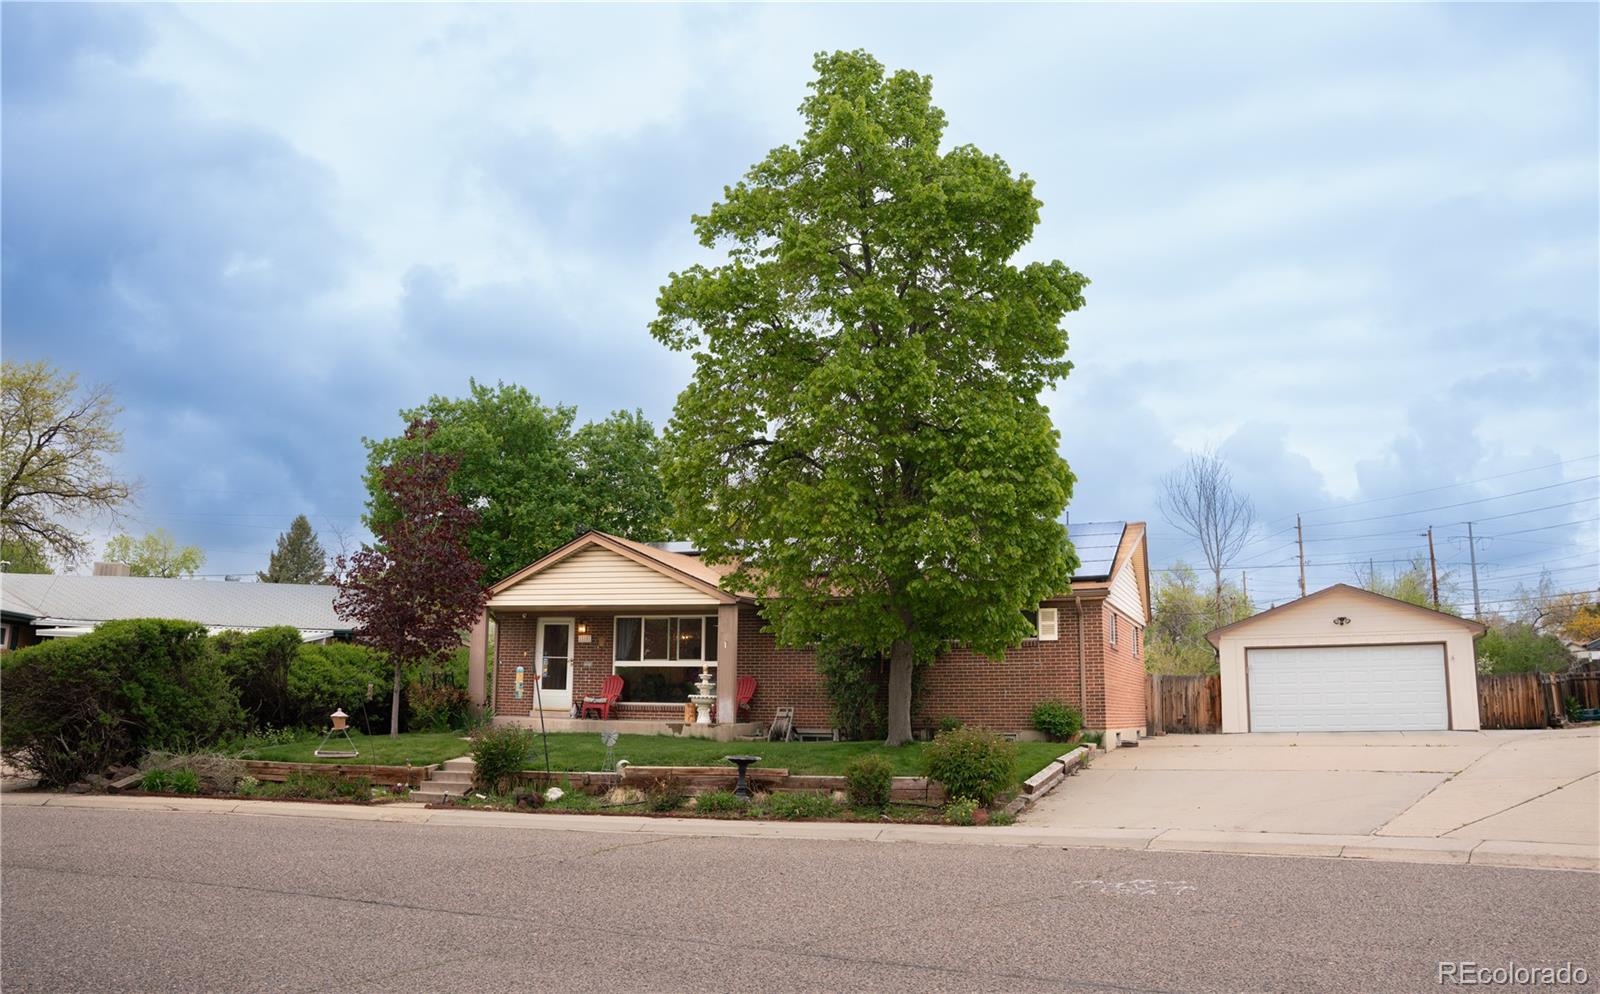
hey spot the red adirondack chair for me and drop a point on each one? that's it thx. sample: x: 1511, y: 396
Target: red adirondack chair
x: 744, y: 692
x: 610, y: 690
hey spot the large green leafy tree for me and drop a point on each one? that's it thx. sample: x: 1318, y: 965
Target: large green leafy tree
x: 299, y: 557
x: 534, y: 480
x: 863, y: 433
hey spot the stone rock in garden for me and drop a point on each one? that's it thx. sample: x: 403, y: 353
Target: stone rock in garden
x: 79, y: 788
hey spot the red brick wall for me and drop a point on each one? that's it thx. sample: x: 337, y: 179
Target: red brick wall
x: 515, y: 644
x: 1123, y: 673
x: 784, y: 677
x: 997, y: 694
x: 1001, y: 693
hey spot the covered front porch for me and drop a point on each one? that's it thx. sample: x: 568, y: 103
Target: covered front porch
x: 605, y: 617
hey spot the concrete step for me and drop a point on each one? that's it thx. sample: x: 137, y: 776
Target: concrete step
x: 451, y: 776
x: 432, y: 792
x: 463, y: 764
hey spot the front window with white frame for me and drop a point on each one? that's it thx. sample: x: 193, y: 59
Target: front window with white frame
x: 659, y: 656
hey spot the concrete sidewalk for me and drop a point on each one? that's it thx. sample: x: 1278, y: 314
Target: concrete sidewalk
x: 1347, y: 846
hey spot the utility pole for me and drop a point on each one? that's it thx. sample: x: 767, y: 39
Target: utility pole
x: 1472, y: 552
x: 1300, y: 537
x: 1244, y: 582
x: 1433, y: 566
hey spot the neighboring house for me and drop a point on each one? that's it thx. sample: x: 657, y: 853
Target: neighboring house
x: 1584, y: 652
x: 37, y: 606
x: 1346, y: 659
x: 654, y: 614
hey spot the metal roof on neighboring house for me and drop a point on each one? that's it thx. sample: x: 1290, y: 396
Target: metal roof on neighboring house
x: 69, y: 600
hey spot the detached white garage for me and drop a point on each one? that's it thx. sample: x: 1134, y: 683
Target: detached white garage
x: 1348, y: 660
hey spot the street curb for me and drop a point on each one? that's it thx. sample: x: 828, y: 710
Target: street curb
x: 1525, y: 855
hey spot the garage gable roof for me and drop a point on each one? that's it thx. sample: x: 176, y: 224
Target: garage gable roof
x: 1477, y: 628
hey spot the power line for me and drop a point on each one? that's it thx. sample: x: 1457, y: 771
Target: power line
x: 1564, y: 524
x: 1447, y: 486
x: 1464, y: 503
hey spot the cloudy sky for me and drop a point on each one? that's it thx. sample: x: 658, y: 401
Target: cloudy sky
x: 1353, y: 248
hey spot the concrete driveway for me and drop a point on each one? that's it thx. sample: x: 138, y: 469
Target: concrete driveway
x: 1540, y: 786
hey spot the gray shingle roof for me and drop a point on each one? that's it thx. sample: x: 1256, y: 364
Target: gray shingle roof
x: 216, y: 604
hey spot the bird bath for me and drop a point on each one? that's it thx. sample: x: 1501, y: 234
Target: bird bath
x: 742, y: 789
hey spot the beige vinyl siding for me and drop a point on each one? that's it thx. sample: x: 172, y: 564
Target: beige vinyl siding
x: 1348, y: 618
x: 1125, y: 593
x: 595, y: 578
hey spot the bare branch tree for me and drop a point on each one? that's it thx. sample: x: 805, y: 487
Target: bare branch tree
x: 55, y: 444
x: 1199, y: 500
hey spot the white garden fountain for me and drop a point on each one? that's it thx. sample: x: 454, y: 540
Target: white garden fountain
x: 704, y: 700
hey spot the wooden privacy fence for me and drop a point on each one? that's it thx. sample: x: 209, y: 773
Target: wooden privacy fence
x: 1533, y: 700
x: 1507, y: 700
x: 1184, y: 704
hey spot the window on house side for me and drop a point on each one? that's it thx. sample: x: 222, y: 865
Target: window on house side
x: 1113, y: 628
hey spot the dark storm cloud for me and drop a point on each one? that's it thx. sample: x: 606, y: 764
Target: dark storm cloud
x: 1351, y: 248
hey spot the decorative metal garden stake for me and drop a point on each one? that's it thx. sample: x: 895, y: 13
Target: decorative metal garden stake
x: 341, y: 726
x: 538, y: 702
x: 609, y: 740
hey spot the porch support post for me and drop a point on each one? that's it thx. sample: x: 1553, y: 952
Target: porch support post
x: 727, y: 663
x: 478, y: 663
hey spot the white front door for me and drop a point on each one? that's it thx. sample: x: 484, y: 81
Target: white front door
x: 1364, y: 688
x: 554, y: 651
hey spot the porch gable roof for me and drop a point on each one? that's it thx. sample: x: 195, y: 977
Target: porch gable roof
x: 689, y: 572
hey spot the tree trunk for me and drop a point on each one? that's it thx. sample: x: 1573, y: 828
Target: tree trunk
x: 900, y: 665
x: 394, y: 708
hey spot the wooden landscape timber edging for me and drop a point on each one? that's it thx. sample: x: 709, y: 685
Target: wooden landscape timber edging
x: 1049, y: 778
x: 411, y: 776
x: 701, y: 779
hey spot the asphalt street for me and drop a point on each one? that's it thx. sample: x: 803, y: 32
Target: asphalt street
x: 103, y: 901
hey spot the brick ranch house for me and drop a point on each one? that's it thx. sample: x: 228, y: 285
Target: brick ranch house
x: 654, y: 614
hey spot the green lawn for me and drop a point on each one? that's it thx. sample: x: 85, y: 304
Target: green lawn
x: 419, y: 748
x: 584, y: 751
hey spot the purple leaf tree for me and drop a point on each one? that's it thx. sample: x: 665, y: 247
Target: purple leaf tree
x: 415, y: 592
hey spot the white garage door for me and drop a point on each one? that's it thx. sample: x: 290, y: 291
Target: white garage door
x: 1347, y: 689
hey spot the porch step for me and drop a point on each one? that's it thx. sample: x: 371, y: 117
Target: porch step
x: 453, y: 778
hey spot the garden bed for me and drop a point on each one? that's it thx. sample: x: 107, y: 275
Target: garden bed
x: 782, y: 806
x: 572, y: 752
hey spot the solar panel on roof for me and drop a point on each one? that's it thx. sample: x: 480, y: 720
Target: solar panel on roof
x: 1096, y: 544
